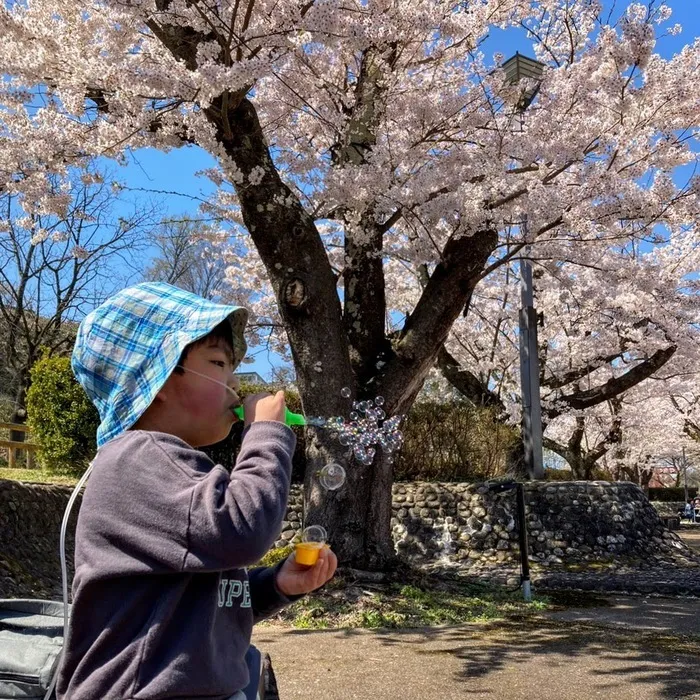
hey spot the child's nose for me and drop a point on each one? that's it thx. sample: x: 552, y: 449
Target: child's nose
x: 235, y: 383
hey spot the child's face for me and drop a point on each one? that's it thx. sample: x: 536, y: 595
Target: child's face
x: 200, y: 409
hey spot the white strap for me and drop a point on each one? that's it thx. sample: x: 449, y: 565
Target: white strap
x: 64, y: 573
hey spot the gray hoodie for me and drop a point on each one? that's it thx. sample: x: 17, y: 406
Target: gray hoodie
x: 163, y: 604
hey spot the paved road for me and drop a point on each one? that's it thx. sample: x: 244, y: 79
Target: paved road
x: 674, y: 616
x: 624, y: 651
x: 550, y: 660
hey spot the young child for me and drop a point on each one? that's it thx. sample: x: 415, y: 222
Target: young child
x: 163, y: 606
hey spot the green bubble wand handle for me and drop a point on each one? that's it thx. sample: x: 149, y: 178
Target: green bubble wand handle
x: 289, y: 417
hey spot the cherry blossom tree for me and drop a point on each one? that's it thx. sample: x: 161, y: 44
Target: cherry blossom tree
x: 604, y: 329
x: 356, y: 140
x: 651, y: 436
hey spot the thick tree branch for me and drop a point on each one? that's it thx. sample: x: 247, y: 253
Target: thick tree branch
x: 579, y: 373
x: 294, y: 257
x: 466, y: 383
x: 446, y: 293
x: 364, y: 116
x: 691, y: 429
x: 615, y: 386
x: 364, y: 298
x: 557, y: 448
x: 574, y: 444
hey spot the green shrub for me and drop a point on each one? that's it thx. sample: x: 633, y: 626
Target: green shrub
x: 452, y: 441
x: 670, y: 493
x: 558, y: 475
x: 61, y: 417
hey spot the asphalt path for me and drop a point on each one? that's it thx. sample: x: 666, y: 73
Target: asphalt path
x: 604, y: 653
x: 631, y: 648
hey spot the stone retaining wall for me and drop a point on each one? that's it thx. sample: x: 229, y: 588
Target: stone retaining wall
x: 567, y: 522
x: 454, y: 524
x: 30, y: 526
x: 575, y: 521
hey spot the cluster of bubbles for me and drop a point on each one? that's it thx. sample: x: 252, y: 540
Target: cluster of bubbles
x: 367, y: 429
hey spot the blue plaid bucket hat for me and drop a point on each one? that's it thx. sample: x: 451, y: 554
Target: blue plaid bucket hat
x: 127, y: 348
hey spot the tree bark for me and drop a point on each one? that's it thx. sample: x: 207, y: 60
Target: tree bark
x: 467, y: 383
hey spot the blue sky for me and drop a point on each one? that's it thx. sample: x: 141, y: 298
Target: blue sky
x: 176, y: 170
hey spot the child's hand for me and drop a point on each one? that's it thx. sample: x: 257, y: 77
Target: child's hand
x: 264, y: 407
x: 296, y: 579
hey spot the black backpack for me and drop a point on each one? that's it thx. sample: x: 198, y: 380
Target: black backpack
x: 31, y: 639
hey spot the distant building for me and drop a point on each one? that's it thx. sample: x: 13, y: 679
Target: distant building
x: 250, y: 378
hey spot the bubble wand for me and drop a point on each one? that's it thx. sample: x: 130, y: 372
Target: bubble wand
x: 289, y: 417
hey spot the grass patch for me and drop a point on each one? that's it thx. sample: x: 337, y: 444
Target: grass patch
x: 275, y: 556
x: 36, y: 476
x: 343, y: 603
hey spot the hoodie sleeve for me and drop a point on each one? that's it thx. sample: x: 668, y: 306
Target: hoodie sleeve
x: 266, y: 598
x: 234, y: 519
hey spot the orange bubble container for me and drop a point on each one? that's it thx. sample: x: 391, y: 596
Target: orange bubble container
x: 307, y: 552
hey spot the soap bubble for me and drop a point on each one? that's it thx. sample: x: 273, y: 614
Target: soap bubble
x: 314, y: 533
x: 332, y: 476
x: 345, y: 392
x: 367, y: 428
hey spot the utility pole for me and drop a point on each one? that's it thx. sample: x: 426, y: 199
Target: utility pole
x: 516, y: 68
x: 530, y: 374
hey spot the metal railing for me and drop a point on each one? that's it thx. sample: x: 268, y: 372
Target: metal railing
x: 14, y: 446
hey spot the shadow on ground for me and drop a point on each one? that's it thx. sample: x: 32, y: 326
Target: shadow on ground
x: 516, y: 659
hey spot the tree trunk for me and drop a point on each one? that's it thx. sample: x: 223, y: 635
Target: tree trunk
x: 578, y: 467
x: 588, y: 468
x: 515, y: 462
x: 358, y: 515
